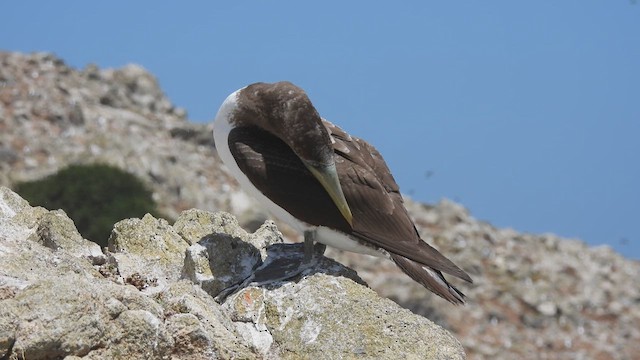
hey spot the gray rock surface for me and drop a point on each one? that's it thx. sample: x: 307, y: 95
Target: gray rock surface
x: 221, y: 254
x: 326, y: 322
x: 143, y: 300
x: 533, y: 297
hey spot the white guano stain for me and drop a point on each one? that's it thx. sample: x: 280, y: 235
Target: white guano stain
x: 310, y: 331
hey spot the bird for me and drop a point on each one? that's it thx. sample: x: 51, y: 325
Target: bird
x: 334, y: 188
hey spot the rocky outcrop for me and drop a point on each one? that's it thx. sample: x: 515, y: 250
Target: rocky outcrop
x: 534, y: 296
x: 52, y: 116
x: 150, y: 295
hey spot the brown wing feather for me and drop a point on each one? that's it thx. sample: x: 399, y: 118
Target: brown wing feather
x: 379, y: 215
x: 278, y: 173
x: 431, y: 279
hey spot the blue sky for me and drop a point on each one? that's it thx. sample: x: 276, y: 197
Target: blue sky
x: 527, y: 113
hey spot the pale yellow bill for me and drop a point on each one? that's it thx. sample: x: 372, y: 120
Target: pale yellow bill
x: 328, y: 177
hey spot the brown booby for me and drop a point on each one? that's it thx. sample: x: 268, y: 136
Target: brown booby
x: 333, y: 187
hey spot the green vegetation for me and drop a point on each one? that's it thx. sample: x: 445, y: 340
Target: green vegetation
x: 95, y: 196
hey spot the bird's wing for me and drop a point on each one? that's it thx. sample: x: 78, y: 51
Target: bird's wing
x: 379, y: 215
x: 275, y: 170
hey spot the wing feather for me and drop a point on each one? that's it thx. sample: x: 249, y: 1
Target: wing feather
x: 379, y: 215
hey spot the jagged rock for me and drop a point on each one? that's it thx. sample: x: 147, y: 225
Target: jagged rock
x: 196, y: 225
x: 149, y: 247
x: 192, y: 133
x: 193, y: 327
x: 338, y: 319
x: 73, y: 314
x: 57, y: 301
x: 222, y: 253
x: 57, y: 231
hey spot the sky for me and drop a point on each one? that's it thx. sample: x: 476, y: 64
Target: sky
x: 527, y: 113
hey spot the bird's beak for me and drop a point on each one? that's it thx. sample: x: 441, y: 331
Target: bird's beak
x: 328, y: 177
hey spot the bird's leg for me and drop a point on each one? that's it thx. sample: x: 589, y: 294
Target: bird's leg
x: 319, y: 248
x: 309, y: 237
x: 311, y: 249
x: 278, y: 266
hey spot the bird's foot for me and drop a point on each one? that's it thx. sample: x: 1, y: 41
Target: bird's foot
x: 312, y: 251
x: 281, y: 265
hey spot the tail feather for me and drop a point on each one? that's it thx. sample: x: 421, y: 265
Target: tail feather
x: 429, y: 278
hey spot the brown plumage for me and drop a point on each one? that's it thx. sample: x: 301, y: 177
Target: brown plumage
x: 275, y: 165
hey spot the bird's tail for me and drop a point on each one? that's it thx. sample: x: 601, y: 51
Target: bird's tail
x: 430, y: 278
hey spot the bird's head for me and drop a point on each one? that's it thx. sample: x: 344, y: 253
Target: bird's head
x: 285, y: 111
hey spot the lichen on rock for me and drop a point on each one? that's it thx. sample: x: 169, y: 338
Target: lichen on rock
x: 141, y: 299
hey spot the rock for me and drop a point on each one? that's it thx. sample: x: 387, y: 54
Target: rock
x: 337, y: 319
x: 57, y: 301
x: 219, y: 262
x: 7, y: 155
x: 221, y: 253
x: 192, y: 327
x: 192, y: 133
x: 196, y: 225
x: 57, y: 231
x: 68, y: 314
x: 11, y: 204
x: 147, y: 246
